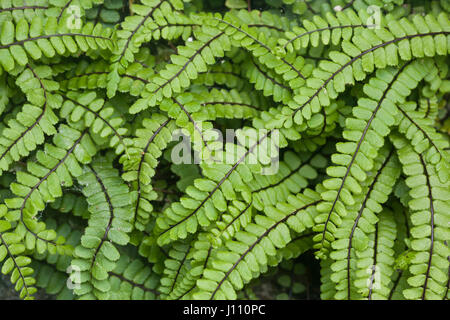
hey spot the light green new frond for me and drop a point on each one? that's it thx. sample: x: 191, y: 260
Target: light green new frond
x: 424, y: 138
x: 352, y: 237
x: 176, y: 266
x: 140, y: 166
x: 108, y: 226
x: 429, y: 214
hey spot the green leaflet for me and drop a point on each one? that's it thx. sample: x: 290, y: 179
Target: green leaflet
x: 176, y: 268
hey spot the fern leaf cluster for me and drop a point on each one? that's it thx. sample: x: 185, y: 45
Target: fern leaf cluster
x: 176, y: 149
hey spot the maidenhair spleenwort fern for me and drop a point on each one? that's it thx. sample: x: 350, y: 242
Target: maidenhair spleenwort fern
x: 177, y: 149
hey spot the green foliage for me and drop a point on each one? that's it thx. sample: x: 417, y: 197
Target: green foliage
x: 119, y: 179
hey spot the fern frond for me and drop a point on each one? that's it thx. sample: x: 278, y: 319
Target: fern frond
x: 140, y: 167
x: 53, y: 281
x: 131, y: 279
x: 26, y: 131
x: 201, y: 252
x: 292, y: 176
x: 24, y: 41
x: 62, y: 9
x: 109, y: 224
x: 327, y: 286
x: 228, y: 104
x: 374, y: 118
x: 376, y: 261
x: 133, y: 27
x: 224, y: 73
x: 289, y: 67
x: 429, y: 231
x: 42, y: 182
x: 355, y: 230
x: 190, y: 60
x: 242, y: 259
x: 331, y: 30
x: 267, y: 81
x: 12, y: 250
x: 97, y: 114
x: 370, y: 49
x: 177, y: 265
x: 16, y: 10
x: 425, y: 139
